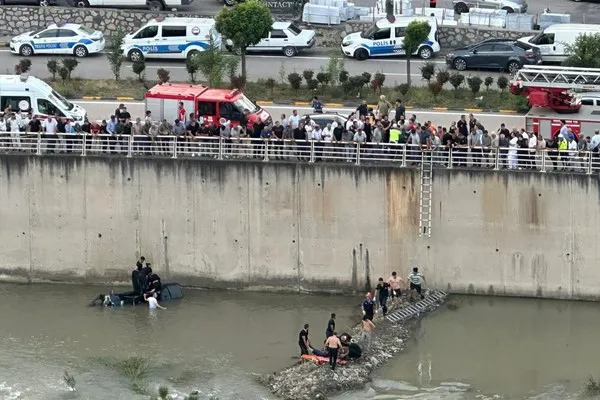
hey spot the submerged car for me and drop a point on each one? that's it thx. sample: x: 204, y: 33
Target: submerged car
x: 285, y: 37
x: 499, y: 54
x: 65, y: 39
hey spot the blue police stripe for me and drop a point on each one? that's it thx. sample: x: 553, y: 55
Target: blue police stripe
x: 170, y: 49
x: 58, y: 45
x: 390, y: 49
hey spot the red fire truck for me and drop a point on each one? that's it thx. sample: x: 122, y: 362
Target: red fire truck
x: 209, y: 104
x: 549, y: 91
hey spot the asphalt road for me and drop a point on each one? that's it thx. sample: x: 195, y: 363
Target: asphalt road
x: 261, y: 66
x: 585, y: 11
x: 98, y: 110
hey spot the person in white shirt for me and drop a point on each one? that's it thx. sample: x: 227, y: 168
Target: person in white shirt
x: 294, y: 119
x: 49, y: 127
x: 152, y: 302
x: 360, y: 137
x: 15, y: 131
x: 532, y: 149
x: 512, y: 151
x: 572, y: 152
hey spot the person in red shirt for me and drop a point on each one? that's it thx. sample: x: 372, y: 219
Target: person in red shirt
x: 181, y: 113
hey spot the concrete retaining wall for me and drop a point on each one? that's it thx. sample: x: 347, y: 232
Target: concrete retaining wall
x: 16, y: 20
x: 296, y: 227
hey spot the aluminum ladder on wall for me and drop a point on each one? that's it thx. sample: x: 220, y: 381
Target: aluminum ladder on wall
x: 414, y: 310
x: 425, y: 195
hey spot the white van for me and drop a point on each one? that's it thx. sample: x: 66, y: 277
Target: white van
x: 553, y: 40
x: 173, y: 38
x: 24, y: 93
x: 385, y: 38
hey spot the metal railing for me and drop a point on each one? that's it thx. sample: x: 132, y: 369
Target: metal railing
x: 305, y: 151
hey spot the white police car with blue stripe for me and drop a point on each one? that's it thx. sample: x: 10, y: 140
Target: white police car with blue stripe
x: 385, y: 38
x: 74, y: 39
x: 171, y: 38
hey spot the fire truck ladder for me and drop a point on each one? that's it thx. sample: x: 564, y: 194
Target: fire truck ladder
x: 425, y: 195
x: 548, y: 77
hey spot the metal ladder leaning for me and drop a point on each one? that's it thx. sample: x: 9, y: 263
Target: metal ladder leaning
x: 425, y: 195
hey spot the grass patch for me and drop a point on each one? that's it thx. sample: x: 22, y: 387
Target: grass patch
x: 418, y: 97
x: 133, y: 368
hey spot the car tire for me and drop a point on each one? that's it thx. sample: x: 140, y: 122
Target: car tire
x: 289, y: 51
x: 513, y: 67
x: 229, y: 3
x: 26, y: 50
x: 80, y: 51
x: 508, y: 10
x: 192, y: 54
x: 82, y: 3
x: 459, y: 64
x: 156, y: 5
x: 425, y: 52
x: 43, y: 3
x: 135, y: 55
x: 361, y: 54
x: 461, y: 8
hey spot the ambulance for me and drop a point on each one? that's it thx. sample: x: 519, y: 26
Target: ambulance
x: 206, y: 103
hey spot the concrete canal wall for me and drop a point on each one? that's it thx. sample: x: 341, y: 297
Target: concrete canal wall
x: 297, y: 227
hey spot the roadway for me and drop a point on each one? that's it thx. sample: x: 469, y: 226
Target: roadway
x: 98, y: 110
x: 259, y: 67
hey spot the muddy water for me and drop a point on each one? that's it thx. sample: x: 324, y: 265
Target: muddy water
x: 495, y: 348
x: 211, y: 341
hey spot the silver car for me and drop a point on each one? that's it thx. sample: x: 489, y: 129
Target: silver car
x: 511, y: 6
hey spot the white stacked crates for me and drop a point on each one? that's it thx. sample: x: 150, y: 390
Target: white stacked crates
x: 547, y: 19
x: 321, y: 14
x: 484, y: 17
x: 444, y: 16
x: 520, y: 22
x: 401, y: 7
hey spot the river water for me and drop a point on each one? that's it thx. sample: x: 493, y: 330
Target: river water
x: 214, y: 342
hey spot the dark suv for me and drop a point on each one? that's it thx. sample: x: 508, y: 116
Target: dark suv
x: 501, y: 54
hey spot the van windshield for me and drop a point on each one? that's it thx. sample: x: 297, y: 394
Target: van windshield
x: 244, y: 103
x: 61, y: 101
x: 369, y: 32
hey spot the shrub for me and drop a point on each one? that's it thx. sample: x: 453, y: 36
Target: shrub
x: 192, y: 66
x: 366, y: 78
x: 163, y: 75
x: 308, y: 75
x: 69, y: 64
x: 474, y: 83
x: 52, y: 66
x: 428, y: 71
x: 63, y: 73
x: 334, y: 67
x: 377, y: 82
x: 24, y: 65
x: 403, y: 88
x: 456, y: 80
x: 313, y: 84
x: 354, y: 84
x: 502, y: 83
x: 343, y: 76
x: 324, y: 78
x: 238, y: 81
x: 69, y: 380
x: 592, y: 386
x: 442, y: 77
x: 282, y: 73
x: 138, y: 68
x: 270, y: 84
x: 114, y: 52
x: 295, y: 80
x: 488, y: 82
x: 435, y: 88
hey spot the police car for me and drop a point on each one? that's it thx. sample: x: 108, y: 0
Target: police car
x: 385, y: 38
x: 73, y: 39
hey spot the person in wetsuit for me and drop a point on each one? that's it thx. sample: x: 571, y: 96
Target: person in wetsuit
x: 135, y: 275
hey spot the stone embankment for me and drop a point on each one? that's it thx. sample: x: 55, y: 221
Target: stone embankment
x: 16, y: 20
x: 309, y: 381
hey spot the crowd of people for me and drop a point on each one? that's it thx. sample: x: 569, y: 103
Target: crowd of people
x: 344, y: 347
x: 372, y: 131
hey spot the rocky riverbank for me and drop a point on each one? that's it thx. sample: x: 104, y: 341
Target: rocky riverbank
x: 309, y: 381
